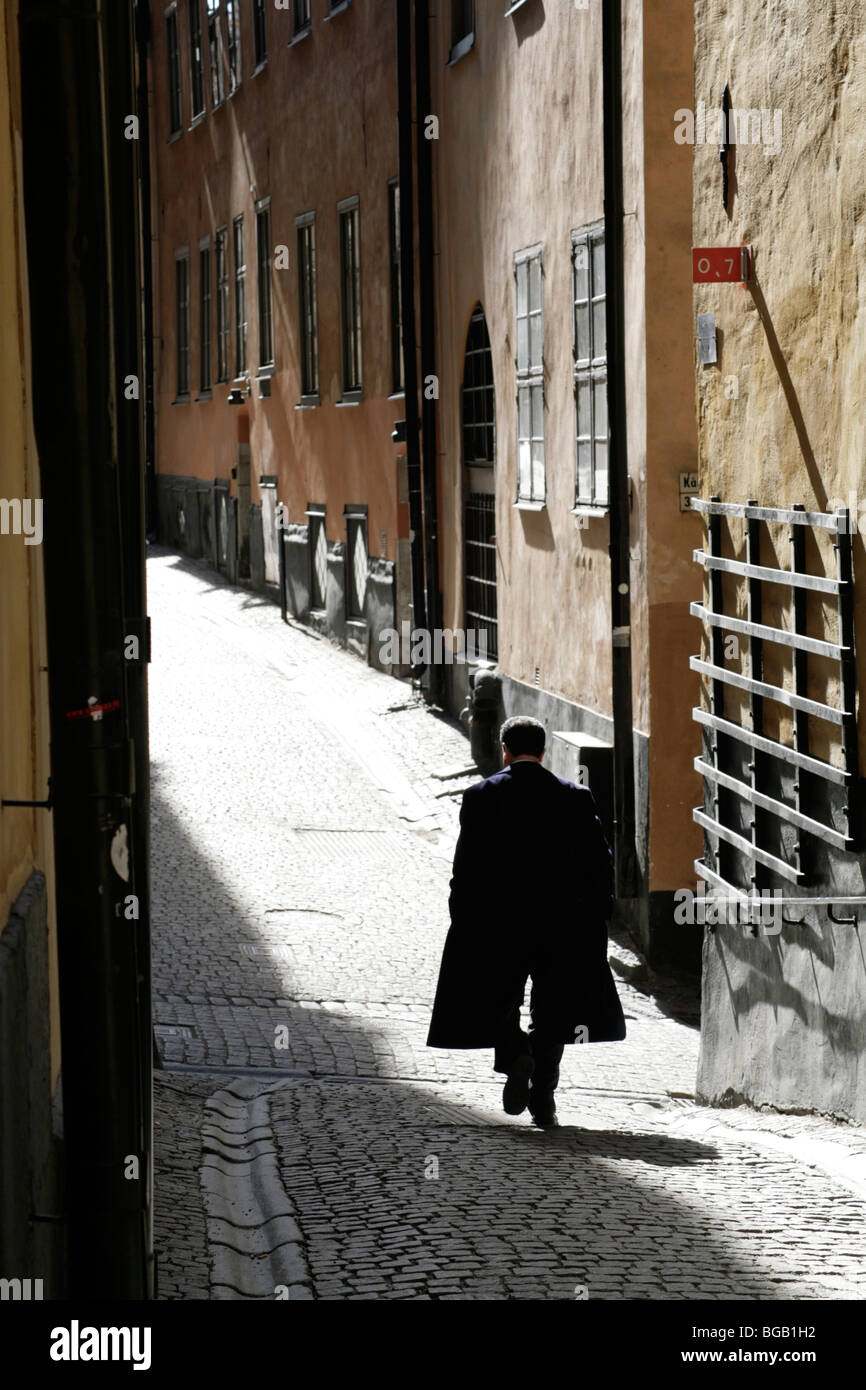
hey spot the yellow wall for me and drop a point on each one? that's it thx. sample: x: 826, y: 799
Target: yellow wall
x: 25, y: 835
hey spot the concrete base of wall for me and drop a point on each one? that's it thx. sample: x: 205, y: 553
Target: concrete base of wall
x: 30, y: 1151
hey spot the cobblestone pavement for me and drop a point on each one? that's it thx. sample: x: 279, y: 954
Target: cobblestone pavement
x: 304, y: 819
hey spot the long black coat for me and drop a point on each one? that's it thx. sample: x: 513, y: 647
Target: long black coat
x: 532, y: 889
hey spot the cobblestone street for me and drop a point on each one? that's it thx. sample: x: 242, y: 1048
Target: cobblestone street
x: 303, y: 824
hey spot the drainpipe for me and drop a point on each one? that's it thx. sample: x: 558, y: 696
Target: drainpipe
x: 82, y: 249
x: 407, y: 296
x: 426, y: 301
x: 620, y: 569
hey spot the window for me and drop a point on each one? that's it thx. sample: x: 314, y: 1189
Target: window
x: 318, y: 556
x: 181, y: 289
x: 356, y: 569
x: 233, y: 30
x: 590, y: 367
x: 240, y: 298
x: 478, y: 397
x: 350, y: 283
x: 173, y: 66
x: 204, y: 315
x: 196, y: 59
x: 306, y: 226
x: 215, y: 51
x: 301, y: 16
x: 260, y: 33
x: 462, y: 28
x: 397, y: 378
x: 222, y: 285
x: 480, y: 561
x: 263, y: 269
x: 530, y: 379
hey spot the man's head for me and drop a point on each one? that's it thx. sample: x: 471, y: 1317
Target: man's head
x: 522, y: 737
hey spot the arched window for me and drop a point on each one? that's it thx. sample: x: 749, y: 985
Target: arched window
x: 478, y: 396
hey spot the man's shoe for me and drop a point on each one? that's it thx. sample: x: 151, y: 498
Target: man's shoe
x: 515, y: 1092
x: 542, y: 1108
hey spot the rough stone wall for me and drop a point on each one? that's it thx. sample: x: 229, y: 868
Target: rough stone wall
x: 780, y: 420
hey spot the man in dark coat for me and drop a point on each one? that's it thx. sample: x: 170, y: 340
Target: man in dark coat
x: 531, y: 896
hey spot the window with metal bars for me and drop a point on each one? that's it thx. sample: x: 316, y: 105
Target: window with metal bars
x: 306, y: 226
x: 233, y: 34
x: 240, y: 298
x: 181, y: 275
x: 175, y: 117
x: 204, y: 347
x: 531, y: 481
x: 318, y: 542
x: 260, y: 32
x: 350, y: 282
x: 462, y: 21
x: 356, y: 555
x: 397, y: 378
x: 263, y: 268
x: 780, y: 757
x: 590, y: 366
x: 480, y: 565
x: 222, y: 304
x: 478, y: 400
x: 196, y: 59
x: 215, y: 52
x: 301, y: 16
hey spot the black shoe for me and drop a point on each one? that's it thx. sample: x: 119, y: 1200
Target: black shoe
x: 542, y: 1108
x: 515, y: 1092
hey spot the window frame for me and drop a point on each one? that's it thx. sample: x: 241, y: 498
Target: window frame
x: 463, y: 42
x: 478, y: 316
x: 264, y: 283
x: 223, y: 302
x: 301, y: 27
x: 589, y: 369
x: 205, y: 343
x: 196, y: 64
x: 398, y: 367
x: 182, y: 324
x: 305, y: 238
x: 349, y: 214
x: 241, y: 322
x: 260, y: 35
x: 316, y: 514
x: 234, y: 48
x: 215, y: 53
x: 529, y: 377
x: 173, y: 71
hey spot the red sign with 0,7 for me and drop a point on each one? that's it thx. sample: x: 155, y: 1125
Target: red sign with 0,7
x: 720, y: 263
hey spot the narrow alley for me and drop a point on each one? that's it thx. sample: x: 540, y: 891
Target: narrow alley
x: 308, y: 1144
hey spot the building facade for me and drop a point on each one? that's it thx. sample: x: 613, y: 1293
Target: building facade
x: 29, y: 1008
x: 783, y: 615
x: 279, y: 365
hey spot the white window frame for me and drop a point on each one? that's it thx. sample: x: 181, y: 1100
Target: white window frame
x: 590, y: 372
x: 531, y: 492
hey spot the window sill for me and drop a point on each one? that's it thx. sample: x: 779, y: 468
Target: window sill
x: 338, y: 9
x: 175, y: 135
x: 260, y: 67
x: 466, y: 44
x: 181, y: 400
x: 197, y: 120
x: 359, y: 625
x: 204, y: 396
x: 350, y: 398
x: 234, y: 91
x: 513, y: 7
x: 590, y: 509
x: 523, y: 504
x: 301, y: 34
x: 309, y: 402
x: 397, y: 396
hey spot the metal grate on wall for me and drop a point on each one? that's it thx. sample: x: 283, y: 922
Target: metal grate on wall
x: 481, y: 568
x: 779, y: 766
